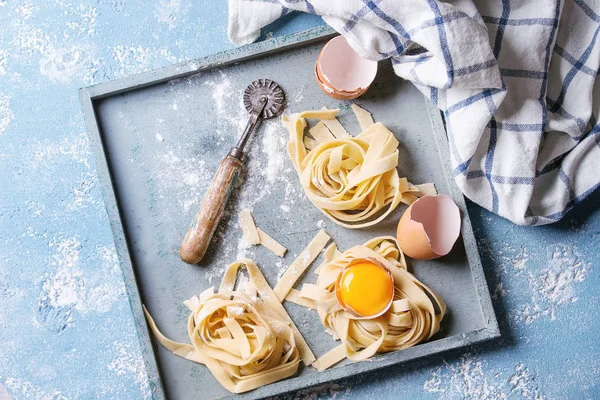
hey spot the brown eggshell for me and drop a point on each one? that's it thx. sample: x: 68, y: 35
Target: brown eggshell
x: 331, y: 92
x: 429, y: 228
x: 412, y: 238
x: 350, y: 75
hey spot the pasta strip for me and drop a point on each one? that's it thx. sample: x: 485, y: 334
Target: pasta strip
x: 181, y: 349
x: 294, y: 297
x: 363, y: 116
x: 297, y: 268
x: 336, y: 128
x: 427, y: 189
x: 248, y: 227
x: 331, y: 252
x: 330, y: 358
x: 321, y: 133
x: 320, y: 114
x: 310, y: 143
x: 271, y: 243
x: 254, y: 235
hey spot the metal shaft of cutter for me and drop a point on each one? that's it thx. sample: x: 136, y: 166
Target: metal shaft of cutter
x: 238, y: 150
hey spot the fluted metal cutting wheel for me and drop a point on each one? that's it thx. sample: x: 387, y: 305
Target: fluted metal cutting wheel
x: 264, y: 87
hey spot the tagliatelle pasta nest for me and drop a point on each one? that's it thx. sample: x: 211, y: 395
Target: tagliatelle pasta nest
x: 245, y: 337
x: 414, y: 316
x: 350, y: 179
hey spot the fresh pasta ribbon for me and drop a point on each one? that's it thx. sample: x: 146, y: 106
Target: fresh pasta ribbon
x: 245, y: 337
x: 350, y: 179
x: 254, y: 235
x: 299, y: 266
x: 414, y: 316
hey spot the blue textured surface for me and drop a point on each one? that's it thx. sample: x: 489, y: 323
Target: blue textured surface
x: 66, y: 329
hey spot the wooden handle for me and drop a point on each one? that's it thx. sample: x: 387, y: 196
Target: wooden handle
x: 201, y: 231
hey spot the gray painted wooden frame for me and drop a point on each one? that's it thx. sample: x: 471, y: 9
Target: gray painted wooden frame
x: 90, y: 95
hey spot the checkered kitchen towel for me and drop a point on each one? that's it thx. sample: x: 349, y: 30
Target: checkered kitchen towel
x: 516, y: 81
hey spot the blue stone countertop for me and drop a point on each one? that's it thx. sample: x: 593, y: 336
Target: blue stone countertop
x: 66, y: 330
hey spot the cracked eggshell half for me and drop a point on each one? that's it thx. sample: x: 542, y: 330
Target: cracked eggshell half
x: 341, y: 73
x: 429, y: 228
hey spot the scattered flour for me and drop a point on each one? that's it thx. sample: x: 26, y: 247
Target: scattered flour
x: 133, y: 59
x: 524, y: 383
x: 10, y: 297
x: 273, y: 148
x: 159, y: 137
x: 66, y: 289
x: 244, y: 249
x: 519, y: 262
x: 469, y: 378
x: 34, y: 208
x: 62, y: 289
x: 129, y: 362
x: 75, y: 147
x: 25, y: 389
x: 221, y: 92
x: 167, y: 12
x: 231, y: 115
x: 299, y: 96
x: 236, y: 311
x: 242, y: 281
x: 6, y: 115
x: 182, y: 179
x: 25, y: 10
x: 230, y: 251
x: 62, y: 64
x: 285, y: 208
x: 31, y: 40
x: 215, y: 274
x: 555, y: 285
x: 321, y: 224
x: 83, y: 192
x: 86, y: 20
x: 4, y: 56
x: 281, y: 268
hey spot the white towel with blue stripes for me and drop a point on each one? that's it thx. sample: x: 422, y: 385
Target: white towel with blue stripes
x: 515, y: 80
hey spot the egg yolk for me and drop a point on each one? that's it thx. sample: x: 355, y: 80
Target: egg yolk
x: 366, y: 288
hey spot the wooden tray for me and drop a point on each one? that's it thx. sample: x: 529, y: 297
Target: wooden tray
x: 158, y: 138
